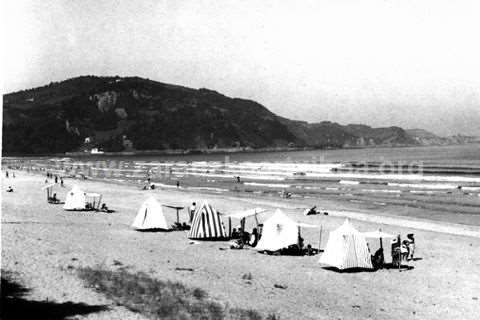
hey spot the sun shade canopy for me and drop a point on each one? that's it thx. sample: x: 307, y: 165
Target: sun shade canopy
x: 377, y: 234
x: 246, y: 213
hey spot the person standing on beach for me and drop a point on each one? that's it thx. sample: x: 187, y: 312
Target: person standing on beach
x: 192, y: 210
x: 178, y: 184
x: 6, y: 174
x: 56, y: 179
x: 61, y: 181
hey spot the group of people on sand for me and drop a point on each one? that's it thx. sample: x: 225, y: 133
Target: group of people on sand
x: 55, y: 177
x: 241, y: 238
x: 402, y: 250
x: 149, y: 185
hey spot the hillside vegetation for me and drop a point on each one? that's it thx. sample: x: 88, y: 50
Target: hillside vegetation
x: 132, y: 113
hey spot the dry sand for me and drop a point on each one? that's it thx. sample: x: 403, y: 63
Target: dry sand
x: 44, y: 244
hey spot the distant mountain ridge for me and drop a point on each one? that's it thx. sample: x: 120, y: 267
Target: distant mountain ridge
x: 134, y: 114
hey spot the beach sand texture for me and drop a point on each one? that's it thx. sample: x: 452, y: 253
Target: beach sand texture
x: 44, y: 245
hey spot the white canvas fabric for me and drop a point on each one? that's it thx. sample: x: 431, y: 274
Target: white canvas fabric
x: 279, y: 231
x: 207, y: 224
x: 346, y: 248
x: 150, y: 216
x: 75, y: 199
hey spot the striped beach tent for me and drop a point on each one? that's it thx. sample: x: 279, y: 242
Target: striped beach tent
x: 346, y: 248
x: 207, y: 224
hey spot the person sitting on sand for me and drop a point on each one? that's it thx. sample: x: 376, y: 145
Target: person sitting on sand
x: 378, y: 259
x: 312, y: 211
x: 10, y: 189
x: 395, y: 250
x: 177, y: 226
x: 185, y: 226
x: 237, y: 244
x: 244, y: 236
x: 300, y: 242
x: 309, y: 250
x: 104, y: 207
x: 54, y: 198
x: 404, y: 250
x: 235, y: 234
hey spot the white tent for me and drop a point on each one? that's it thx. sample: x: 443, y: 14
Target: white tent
x: 150, y: 216
x: 346, y: 248
x: 75, y: 199
x: 279, y: 231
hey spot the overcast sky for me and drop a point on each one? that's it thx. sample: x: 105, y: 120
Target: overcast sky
x: 382, y: 63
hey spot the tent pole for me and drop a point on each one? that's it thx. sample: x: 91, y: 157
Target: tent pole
x: 381, y: 244
x: 320, y: 238
x: 229, y: 227
x: 178, y: 217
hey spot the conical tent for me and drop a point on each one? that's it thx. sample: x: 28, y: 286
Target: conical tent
x: 279, y: 231
x: 150, y: 216
x: 207, y: 224
x: 75, y: 199
x: 346, y: 248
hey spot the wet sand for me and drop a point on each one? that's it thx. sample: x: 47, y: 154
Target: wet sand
x: 44, y: 245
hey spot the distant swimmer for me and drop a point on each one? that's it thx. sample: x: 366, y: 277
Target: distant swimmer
x: 10, y: 189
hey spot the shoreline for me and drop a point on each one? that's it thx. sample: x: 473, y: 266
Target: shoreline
x: 342, y: 210
x: 226, y: 151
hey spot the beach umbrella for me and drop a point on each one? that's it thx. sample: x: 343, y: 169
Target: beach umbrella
x: 378, y: 234
x: 178, y: 208
x: 242, y: 215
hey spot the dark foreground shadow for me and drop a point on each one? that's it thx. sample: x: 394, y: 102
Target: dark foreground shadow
x: 153, y: 230
x: 403, y: 267
x: 351, y: 270
x: 387, y: 266
x: 14, y: 305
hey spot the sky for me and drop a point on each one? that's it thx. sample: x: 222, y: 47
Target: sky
x: 414, y: 64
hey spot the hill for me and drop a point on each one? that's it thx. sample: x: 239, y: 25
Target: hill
x: 131, y: 113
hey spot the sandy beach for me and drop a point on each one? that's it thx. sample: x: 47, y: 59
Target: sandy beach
x: 44, y: 246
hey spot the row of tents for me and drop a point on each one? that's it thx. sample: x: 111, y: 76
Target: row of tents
x: 346, y: 247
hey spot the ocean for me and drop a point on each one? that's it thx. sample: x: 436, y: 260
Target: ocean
x: 443, y: 179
